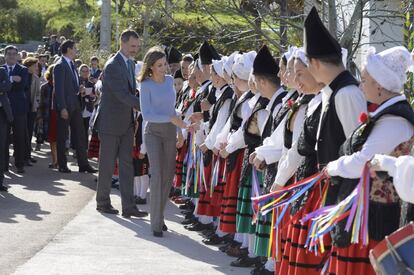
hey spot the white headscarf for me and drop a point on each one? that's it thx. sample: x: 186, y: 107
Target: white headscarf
x: 301, y: 55
x: 218, y: 66
x: 291, y: 53
x: 243, y: 65
x: 389, y: 68
x: 230, y: 61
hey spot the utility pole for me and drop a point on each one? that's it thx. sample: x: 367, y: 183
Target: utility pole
x: 117, y: 22
x: 105, y: 35
x: 147, y: 14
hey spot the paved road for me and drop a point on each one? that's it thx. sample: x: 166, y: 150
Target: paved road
x: 49, y: 225
x: 37, y: 207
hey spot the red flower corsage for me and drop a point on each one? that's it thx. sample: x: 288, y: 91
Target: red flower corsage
x: 290, y: 103
x: 363, y: 117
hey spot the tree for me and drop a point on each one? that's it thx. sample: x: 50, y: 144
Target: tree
x: 84, y: 5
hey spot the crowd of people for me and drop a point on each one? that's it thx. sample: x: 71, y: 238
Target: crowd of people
x: 260, y: 128
x: 30, y: 105
x: 241, y: 133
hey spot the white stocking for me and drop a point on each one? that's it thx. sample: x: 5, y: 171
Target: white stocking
x: 137, y: 186
x: 144, y: 186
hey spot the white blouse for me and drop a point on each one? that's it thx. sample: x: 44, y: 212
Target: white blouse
x: 291, y: 159
x: 222, y: 117
x: 389, y: 131
x: 236, y: 139
x: 349, y: 104
x: 271, y: 150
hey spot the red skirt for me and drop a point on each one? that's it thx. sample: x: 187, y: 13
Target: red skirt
x: 204, y: 208
x: 296, y: 259
x: 219, y: 189
x: 179, y: 163
x: 93, y: 148
x: 231, y: 190
x: 116, y: 169
x: 52, y: 132
x: 353, y: 259
x: 141, y: 166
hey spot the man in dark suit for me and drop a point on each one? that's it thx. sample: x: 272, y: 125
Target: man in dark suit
x: 6, y: 117
x: 54, y: 45
x: 19, y: 77
x: 67, y: 102
x: 116, y: 127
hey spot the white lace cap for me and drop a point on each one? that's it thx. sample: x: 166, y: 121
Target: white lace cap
x: 243, y: 65
x: 218, y: 66
x: 293, y: 51
x: 288, y: 55
x: 389, y: 68
x: 229, y: 62
x: 301, y: 55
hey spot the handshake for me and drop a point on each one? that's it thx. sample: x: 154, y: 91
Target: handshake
x: 195, y: 119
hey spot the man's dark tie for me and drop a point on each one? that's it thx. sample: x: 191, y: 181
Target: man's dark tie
x: 10, y: 70
x: 74, y: 71
x: 131, y: 71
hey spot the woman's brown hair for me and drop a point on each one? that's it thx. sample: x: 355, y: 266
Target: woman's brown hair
x: 30, y: 61
x: 49, y: 73
x: 153, y: 55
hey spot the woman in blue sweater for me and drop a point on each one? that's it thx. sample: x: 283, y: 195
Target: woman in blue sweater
x: 157, y: 96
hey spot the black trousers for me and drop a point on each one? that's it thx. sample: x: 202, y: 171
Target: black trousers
x: 31, y: 116
x: 86, y: 126
x: 4, y: 144
x: 20, y: 137
x: 77, y: 132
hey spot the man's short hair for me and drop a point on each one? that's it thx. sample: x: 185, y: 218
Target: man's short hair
x: 9, y: 48
x: 188, y: 58
x: 274, y: 79
x: 67, y: 44
x: 127, y: 34
x: 332, y: 60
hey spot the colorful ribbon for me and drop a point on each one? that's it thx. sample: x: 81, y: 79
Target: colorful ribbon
x: 355, y: 207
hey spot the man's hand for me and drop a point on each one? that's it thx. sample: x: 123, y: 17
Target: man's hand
x: 16, y: 78
x: 203, y: 148
x: 205, y: 105
x: 180, y: 141
x: 82, y: 90
x: 196, y: 117
x: 193, y: 127
x: 64, y: 114
x: 276, y: 187
x: 252, y: 157
x: 260, y: 165
x: 215, y: 151
x: 223, y: 153
x: 141, y: 156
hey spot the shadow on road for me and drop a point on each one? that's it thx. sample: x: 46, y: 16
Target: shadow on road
x: 17, y: 206
x: 175, y: 241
